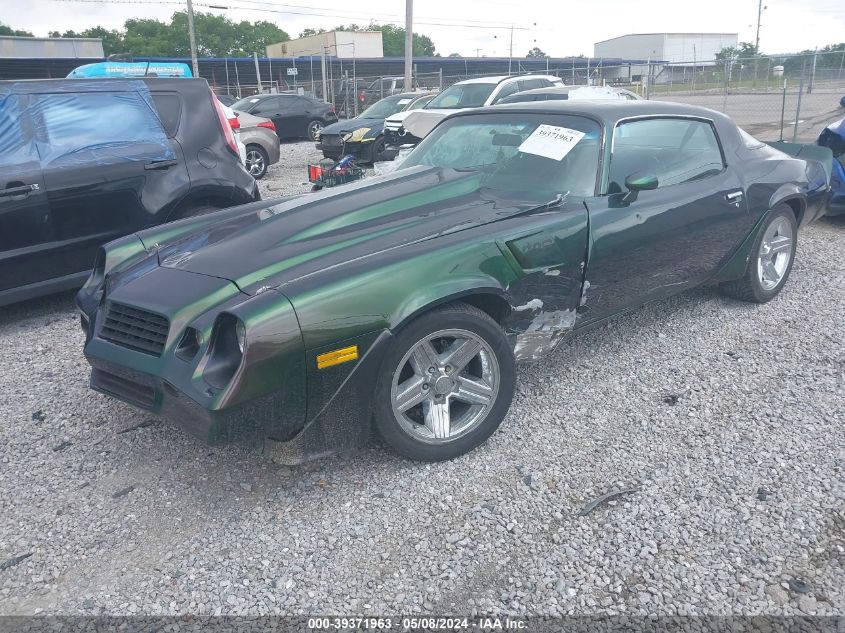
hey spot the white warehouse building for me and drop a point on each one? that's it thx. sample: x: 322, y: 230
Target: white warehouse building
x: 676, y: 53
x: 672, y: 48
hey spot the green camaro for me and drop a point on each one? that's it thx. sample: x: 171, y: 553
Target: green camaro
x: 404, y: 301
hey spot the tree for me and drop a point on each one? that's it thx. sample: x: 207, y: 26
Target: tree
x: 536, y: 52
x: 310, y: 32
x: 217, y: 36
x: 454, y: 54
x: 745, y: 50
x: 8, y: 30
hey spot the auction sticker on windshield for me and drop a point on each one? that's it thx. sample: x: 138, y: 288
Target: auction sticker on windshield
x: 551, y: 141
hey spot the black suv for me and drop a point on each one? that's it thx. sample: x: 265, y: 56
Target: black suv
x: 85, y: 161
x: 293, y: 115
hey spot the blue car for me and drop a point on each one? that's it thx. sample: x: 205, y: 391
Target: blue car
x: 833, y: 136
x: 842, y: 101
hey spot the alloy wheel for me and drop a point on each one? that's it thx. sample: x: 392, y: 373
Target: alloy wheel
x: 445, y: 385
x: 255, y: 163
x: 314, y: 130
x: 775, y: 253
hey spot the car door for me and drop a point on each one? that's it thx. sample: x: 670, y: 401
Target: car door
x: 505, y: 90
x: 271, y: 108
x: 26, y: 234
x: 109, y: 168
x: 653, y: 243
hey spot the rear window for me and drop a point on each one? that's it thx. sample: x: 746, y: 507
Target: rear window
x: 169, y: 106
x: 97, y: 127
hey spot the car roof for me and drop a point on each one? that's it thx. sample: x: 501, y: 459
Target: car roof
x: 606, y: 110
x: 153, y: 83
x: 500, y: 78
x: 551, y: 90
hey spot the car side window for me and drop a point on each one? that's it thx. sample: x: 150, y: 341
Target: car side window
x: 506, y: 91
x: 97, y: 127
x: 169, y: 106
x: 675, y: 150
x: 15, y: 147
x: 267, y: 106
x: 531, y: 84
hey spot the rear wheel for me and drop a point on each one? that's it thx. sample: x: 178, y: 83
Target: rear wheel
x: 771, y: 261
x: 446, y: 384
x: 314, y: 129
x: 256, y: 161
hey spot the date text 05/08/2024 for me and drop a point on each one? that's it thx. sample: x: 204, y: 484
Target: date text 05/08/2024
x: 426, y: 623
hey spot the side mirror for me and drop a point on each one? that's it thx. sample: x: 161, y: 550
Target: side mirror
x: 636, y: 182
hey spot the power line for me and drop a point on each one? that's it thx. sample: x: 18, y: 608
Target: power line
x: 289, y: 12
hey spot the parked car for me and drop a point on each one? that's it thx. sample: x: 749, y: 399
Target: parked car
x: 381, y: 88
x: 406, y: 299
x: 363, y: 136
x: 261, y: 145
x: 227, y: 100
x: 295, y: 116
x: 83, y: 162
x: 562, y: 93
x: 833, y: 137
x: 470, y: 93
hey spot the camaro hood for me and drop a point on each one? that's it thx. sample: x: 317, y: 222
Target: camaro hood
x: 350, y: 125
x: 304, y: 235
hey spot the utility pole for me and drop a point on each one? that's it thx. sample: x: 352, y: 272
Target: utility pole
x: 757, y: 39
x: 323, y: 64
x: 510, y: 54
x: 193, y: 40
x: 257, y: 73
x: 409, y: 42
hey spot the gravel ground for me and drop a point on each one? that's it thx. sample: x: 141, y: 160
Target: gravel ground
x: 724, y: 418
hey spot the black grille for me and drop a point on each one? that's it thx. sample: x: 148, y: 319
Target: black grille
x: 133, y: 392
x: 331, y: 140
x: 134, y: 328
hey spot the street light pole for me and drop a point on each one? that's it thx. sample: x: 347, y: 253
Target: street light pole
x: 409, y: 42
x: 757, y: 38
x: 193, y: 40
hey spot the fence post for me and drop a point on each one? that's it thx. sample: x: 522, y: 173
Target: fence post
x: 783, y: 109
x: 725, y: 98
x: 798, y: 108
x: 440, y: 79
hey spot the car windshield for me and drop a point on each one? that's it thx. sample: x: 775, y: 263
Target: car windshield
x: 462, y: 96
x: 385, y: 107
x: 531, y: 156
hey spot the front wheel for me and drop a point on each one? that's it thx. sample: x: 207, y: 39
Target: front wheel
x: 446, y: 383
x: 376, y: 150
x: 771, y: 259
x: 314, y: 129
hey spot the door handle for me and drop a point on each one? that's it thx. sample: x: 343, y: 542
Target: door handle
x: 23, y: 190
x: 734, y: 196
x: 160, y: 164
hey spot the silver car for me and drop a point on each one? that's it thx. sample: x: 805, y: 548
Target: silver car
x: 262, y: 144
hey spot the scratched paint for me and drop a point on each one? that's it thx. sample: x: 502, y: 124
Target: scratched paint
x: 543, y: 334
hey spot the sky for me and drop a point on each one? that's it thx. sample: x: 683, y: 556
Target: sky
x: 473, y: 27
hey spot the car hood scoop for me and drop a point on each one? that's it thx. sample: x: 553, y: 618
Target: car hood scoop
x: 303, y: 235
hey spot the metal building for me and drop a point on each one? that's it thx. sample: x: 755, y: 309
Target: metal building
x: 14, y: 47
x: 672, y: 48
x: 338, y: 44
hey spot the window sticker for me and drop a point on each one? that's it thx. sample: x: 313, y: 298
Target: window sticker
x: 404, y: 101
x: 551, y: 141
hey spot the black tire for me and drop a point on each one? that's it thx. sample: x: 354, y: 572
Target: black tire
x: 314, y: 126
x: 456, y: 316
x: 376, y: 150
x: 257, y: 168
x: 750, y: 287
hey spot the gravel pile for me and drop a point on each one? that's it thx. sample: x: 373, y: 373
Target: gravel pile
x: 719, y: 423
